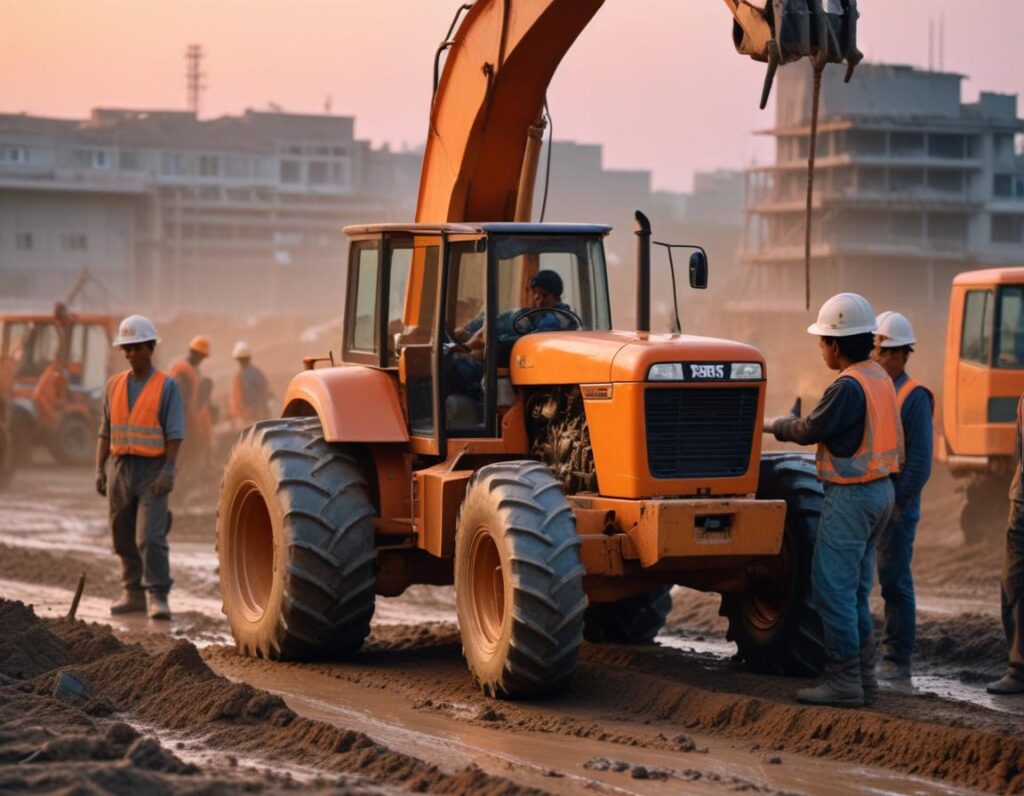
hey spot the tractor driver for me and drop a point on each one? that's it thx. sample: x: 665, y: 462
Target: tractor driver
x: 468, y: 353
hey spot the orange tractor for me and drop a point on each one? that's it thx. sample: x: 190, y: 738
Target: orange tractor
x: 52, y: 372
x: 982, y: 384
x: 562, y: 475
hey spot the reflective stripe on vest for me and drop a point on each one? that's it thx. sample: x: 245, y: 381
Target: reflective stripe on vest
x: 881, y: 451
x: 908, y: 387
x: 182, y: 367
x: 137, y: 432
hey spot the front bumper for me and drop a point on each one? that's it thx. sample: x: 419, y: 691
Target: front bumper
x: 618, y: 535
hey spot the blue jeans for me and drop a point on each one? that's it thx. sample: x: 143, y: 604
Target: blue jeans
x: 853, y: 517
x: 895, y: 551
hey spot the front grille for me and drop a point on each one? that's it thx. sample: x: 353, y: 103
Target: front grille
x: 699, y: 433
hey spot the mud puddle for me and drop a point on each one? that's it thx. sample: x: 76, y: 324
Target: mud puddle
x: 195, y: 618
x: 563, y: 764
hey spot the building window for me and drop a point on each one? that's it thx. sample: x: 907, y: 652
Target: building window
x: 173, y: 164
x: 74, y: 242
x: 1002, y: 185
x: 318, y: 172
x: 290, y: 171
x: 128, y: 161
x: 23, y: 241
x: 209, y: 165
x: 91, y: 158
x: 1007, y: 228
x: 13, y: 154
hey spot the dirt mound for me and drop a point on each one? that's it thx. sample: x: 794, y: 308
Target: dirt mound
x: 43, y: 566
x: 174, y: 691
x: 971, y: 645
x: 27, y: 648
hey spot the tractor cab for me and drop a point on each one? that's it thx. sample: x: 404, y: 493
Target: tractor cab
x: 444, y: 305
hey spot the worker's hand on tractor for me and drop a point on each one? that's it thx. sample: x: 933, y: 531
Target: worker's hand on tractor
x: 769, y: 424
x: 101, y: 481
x: 164, y: 482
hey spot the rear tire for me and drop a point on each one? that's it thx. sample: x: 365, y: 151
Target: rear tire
x: 296, y: 543
x: 775, y: 626
x: 518, y: 581
x: 74, y: 441
x: 634, y: 620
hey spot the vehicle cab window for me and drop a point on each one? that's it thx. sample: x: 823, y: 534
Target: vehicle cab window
x: 976, y: 343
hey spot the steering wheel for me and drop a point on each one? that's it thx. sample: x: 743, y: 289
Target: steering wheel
x: 568, y: 316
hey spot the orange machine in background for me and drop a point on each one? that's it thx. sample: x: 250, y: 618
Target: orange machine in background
x: 982, y: 384
x: 52, y: 371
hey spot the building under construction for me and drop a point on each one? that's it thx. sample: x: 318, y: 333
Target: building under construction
x: 912, y: 186
x: 167, y: 210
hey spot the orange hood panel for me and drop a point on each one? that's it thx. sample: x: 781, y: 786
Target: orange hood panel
x: 597, y: 357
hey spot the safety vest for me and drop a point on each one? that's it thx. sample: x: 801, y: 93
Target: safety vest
x: 182, y: 367
x: 138, y: 432
x: 881, y: 452
x: 908, y: 387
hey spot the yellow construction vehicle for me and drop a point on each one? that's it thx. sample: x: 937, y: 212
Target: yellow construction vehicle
x: 486, y: 426
x: 982, y: 384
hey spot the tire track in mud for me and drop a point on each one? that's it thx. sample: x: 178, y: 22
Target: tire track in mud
x: 644, y: 698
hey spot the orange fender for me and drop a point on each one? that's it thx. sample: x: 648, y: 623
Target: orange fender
x: 354, y: 403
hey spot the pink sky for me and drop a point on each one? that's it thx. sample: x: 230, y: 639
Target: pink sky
x: 655, y: 81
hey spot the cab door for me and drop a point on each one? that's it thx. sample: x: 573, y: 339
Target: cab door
x: 974, y: 371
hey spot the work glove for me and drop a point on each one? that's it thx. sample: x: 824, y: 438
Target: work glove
x: 164, y: 483
x: 101, y: 481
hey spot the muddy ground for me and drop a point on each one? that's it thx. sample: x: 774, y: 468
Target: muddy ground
x: 115, y: 705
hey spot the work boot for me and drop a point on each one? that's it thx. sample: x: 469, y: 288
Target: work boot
x: 868, y: 680
x: 1010, y: 683
x: 132, y: 601
x: 892, y: 671
x: 841, y: 686
x: 156, y: 606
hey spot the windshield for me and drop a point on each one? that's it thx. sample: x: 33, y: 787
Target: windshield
x: 1010, y: 340
x: 569, y: 269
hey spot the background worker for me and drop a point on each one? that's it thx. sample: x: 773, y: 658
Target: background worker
x: 894, y: 345
x: 185, y: 371
x: 250, y: 390
x: 856, y: 428
x: 1012, y: 591
x: 142, y: 428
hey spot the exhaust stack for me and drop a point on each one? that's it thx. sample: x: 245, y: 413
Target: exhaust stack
x: 643, y: 272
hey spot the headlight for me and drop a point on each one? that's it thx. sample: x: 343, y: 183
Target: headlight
x: 666, y: 371
x: 745, y: 371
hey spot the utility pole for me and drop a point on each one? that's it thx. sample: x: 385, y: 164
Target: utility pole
x: 195, y: 80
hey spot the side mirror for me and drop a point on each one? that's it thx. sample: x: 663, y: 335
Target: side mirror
x: 698, y: 270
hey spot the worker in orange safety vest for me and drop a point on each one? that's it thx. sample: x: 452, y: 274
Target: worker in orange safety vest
x: 185, y: 371
x: 142, y: 430
x: 859, y: 439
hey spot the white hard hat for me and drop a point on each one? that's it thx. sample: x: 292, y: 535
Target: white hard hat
x: 896, y: 330
x: 844, y: 315
x: 135, y: 329
x: 241, y: 350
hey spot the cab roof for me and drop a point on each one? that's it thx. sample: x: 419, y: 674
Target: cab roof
x: 477, y: 228
x: 991, y: 276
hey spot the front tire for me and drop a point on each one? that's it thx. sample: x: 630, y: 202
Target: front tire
x: 774, y: 624
x: 296, y: 543
x: 518, y: 581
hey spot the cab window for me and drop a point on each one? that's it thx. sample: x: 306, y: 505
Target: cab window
x: 364, y: 264
x: 1010, y: 343
x: 976, y: 342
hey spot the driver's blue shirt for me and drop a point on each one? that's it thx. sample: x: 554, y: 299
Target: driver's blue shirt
x: 539, y: 322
